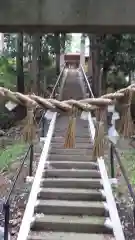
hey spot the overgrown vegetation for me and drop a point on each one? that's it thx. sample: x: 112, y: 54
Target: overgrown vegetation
x: 115, y: 54
x: 128, y: 160
x: 7, y: 73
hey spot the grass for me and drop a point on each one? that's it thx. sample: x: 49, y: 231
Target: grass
x: 10, y: 154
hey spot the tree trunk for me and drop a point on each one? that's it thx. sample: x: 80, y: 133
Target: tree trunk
x: 19, y: 64
x: 39, y: 63
x: 93, y: 57
x: 96, y: 79
x: 82, y: 50
x: 36, y: 62
x: 104, y: 80
x: 130, y: 77
x: 30, y: 49
x: 62, y: 52
x: 90, y: 58
x: 57, y: 52
x: 20, y: 111
x: 34, y: 65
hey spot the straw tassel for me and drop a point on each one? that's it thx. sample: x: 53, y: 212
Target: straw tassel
x: 29, y: 131
x: 99, y: 141
x: 127, y: 129
x: 70, y: 134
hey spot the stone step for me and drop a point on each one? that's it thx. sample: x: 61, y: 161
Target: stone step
x: 61, y: 139
x: 77, y: 224
x: 71, y: 173
x: 78, y: 129
x: 78, y: 126
x: 78, y: 134
x: 81, y: 133
x: 73, y: 151
x: 66, y: 157
x: 71, y: 183
x: 71, y: 194
x: 60, y: 145
x: 73, y: 164
x: 68, y: 236
x: 65, y: 207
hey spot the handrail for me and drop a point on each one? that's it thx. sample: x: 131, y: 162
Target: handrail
x: 132, y: 193
x: 57, y: 82
x: 87, y: 82
x: 114, y: 151
x: 115, y: 221
x: 6, y: 205
x: 25, y: 226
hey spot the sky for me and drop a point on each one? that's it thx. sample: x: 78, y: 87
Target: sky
x: 76, y: 38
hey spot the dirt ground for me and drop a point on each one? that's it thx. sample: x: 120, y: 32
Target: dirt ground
x: 123, y: 198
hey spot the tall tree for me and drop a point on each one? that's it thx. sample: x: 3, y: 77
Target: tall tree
x: 19, y: 64
x: 57, y: 52
x: 95, y: 56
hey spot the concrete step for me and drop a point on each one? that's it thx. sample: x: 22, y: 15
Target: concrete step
x: 66, y: 157
x: 71, y: 173
x: 68, y: 236
x: 71, y: 151
x: 77, y: 224
x: 63, y: 207
x: 71, y: 194
x: 73, y: 164
x: 71, y: 183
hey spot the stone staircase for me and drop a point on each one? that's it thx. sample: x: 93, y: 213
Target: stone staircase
x: 75, y: 199
x: 71, y: 202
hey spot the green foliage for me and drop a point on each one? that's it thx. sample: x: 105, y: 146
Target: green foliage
x: 10, y: 154
x: 51, y: 42
x: 10, y: 44
x: 116, y: 79
x: 118, y: 50
x: 49, y: 46
x: 7, y: 73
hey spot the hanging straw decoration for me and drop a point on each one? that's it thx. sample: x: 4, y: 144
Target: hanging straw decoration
x: 70, y: 134
x: 99, y: 141
x: 29, y: 131
x: 127, y: 129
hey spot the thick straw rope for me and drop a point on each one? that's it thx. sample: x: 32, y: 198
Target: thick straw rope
x: 87, y: 104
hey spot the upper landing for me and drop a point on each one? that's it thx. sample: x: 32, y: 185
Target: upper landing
x: 68, y: 15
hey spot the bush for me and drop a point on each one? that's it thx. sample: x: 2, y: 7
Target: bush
x: 116, y: 79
